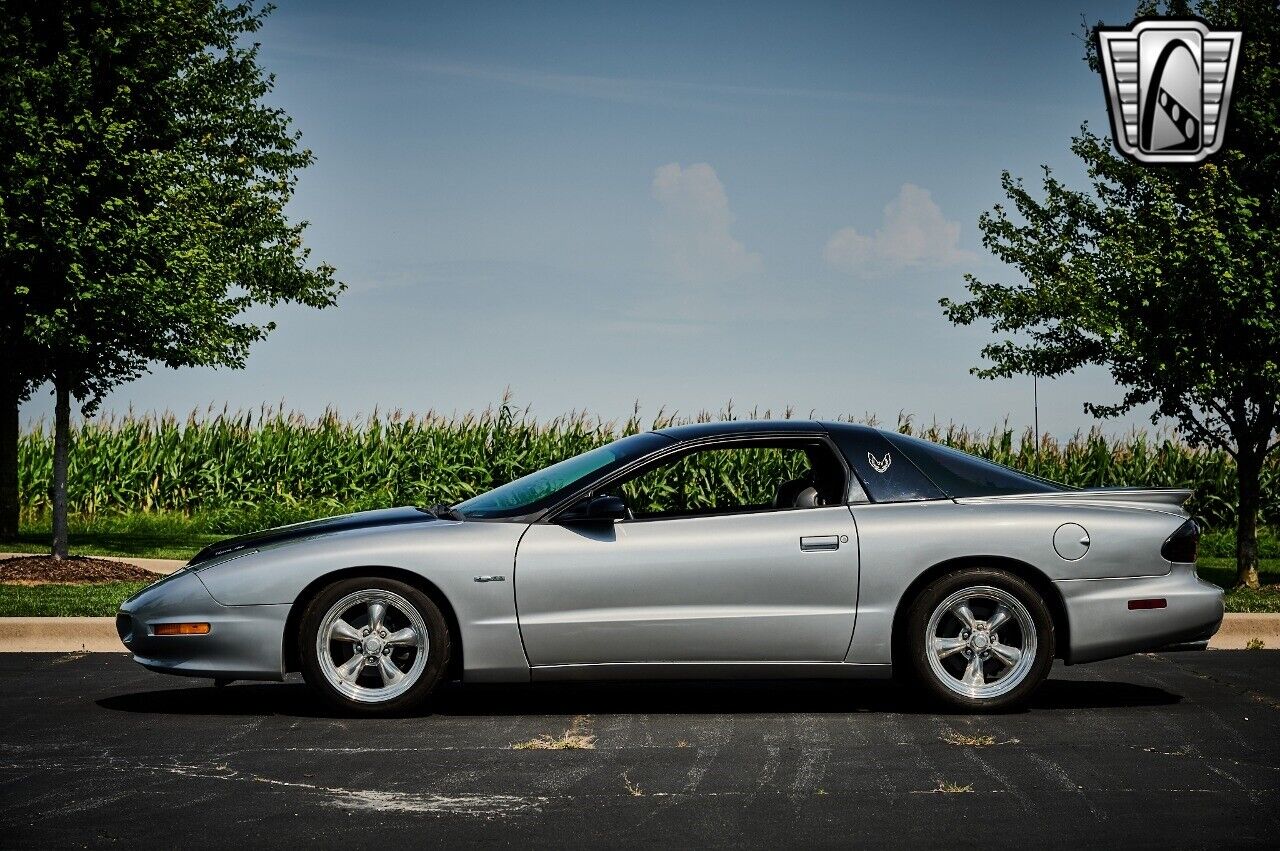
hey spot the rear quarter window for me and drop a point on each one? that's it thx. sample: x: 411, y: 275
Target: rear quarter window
x: 959, y: 474
x: 885, y: 473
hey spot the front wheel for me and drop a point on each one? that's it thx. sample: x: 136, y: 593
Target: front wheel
x: 373, y: 646
x: 980, y: 640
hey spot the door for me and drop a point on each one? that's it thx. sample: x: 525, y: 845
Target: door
x: 773, y: 587
x: 744, y: 583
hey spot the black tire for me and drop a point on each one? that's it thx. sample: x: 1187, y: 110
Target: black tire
x: 427, y: 674
x: 986, y: 584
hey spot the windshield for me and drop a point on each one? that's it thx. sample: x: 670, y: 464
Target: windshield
x: 960, y: 474
x: 541, y: 489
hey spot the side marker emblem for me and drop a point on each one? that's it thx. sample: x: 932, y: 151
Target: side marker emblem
x: 880, y: 466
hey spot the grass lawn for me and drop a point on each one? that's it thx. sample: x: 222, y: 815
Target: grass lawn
x: 115, y: 545
x: 1222, y: 571
x: 145, y: 538
x: 86, y: 601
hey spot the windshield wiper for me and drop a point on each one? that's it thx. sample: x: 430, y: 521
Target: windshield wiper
x: 446, y: 512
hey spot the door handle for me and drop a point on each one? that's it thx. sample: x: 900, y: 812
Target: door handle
x: 817, y: 543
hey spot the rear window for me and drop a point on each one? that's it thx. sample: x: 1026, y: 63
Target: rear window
x: 960, y: 474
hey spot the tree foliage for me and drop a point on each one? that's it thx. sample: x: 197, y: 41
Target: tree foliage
x: 1168, y: 276
x: 144, y: 186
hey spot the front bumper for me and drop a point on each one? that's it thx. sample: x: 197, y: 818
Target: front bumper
x: 1101, y: 625
x: 243, y: 642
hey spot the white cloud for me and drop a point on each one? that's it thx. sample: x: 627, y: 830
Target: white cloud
x: 692, y: 238
x: 914, y: 235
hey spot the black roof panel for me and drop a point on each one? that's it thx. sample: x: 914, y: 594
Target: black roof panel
x: 697, y: 431
x: 850, y: 428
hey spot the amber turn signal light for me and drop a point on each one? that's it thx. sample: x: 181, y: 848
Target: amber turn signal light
x: 181, y: 629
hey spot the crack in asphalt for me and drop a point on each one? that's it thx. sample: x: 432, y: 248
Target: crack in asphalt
x: 379, y: 800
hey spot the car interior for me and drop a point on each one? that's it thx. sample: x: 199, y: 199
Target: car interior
x: 748, y: 476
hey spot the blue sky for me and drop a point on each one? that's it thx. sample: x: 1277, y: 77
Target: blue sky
x: 679, y: 204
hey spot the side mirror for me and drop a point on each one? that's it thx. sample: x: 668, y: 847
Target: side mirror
x: 602, y: 507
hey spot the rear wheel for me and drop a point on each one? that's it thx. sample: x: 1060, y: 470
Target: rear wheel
x: 980, y: 640
x: 373, y: 646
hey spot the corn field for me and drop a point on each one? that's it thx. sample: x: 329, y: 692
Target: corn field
x: 280, y: 465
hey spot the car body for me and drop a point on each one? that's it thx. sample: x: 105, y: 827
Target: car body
x: 552, y: 577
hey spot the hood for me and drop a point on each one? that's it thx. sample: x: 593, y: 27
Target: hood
x: 311, y: 528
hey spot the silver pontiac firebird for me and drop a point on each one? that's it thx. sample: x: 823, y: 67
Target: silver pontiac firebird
x: 777, y: 549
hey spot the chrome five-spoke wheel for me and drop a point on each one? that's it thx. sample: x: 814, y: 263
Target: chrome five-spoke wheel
x: 979, y: 639
x: 373, y: 645
x: 982, y: 642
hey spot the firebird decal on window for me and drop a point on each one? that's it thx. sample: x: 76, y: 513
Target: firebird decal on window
x: 880, y: 466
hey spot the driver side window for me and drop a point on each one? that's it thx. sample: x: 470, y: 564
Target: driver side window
x: 734, y: 479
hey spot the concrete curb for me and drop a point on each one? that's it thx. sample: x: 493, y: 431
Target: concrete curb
x: 98, y: 635
x: 155, y: 565
x: 59, y: 635
x: 1240, y: 628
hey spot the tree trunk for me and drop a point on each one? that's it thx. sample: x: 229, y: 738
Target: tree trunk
x: 1250, y: 472
x: 61, y: 447
x: 8, y: 462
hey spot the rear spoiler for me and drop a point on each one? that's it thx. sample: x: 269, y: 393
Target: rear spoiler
x: 1143, y: 496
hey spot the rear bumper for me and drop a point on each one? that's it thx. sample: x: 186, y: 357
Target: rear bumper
x: 243, y: 643
x: 1101, y: 625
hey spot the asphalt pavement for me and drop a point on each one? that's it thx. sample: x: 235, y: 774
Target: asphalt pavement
x: 1150, y: 751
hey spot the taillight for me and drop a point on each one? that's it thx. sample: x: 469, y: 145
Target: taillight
x: 1183, y: 544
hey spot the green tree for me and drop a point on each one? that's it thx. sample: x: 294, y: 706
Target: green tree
x: 142, y: 205
x: 19, y: 376
x: 1168, y: 276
